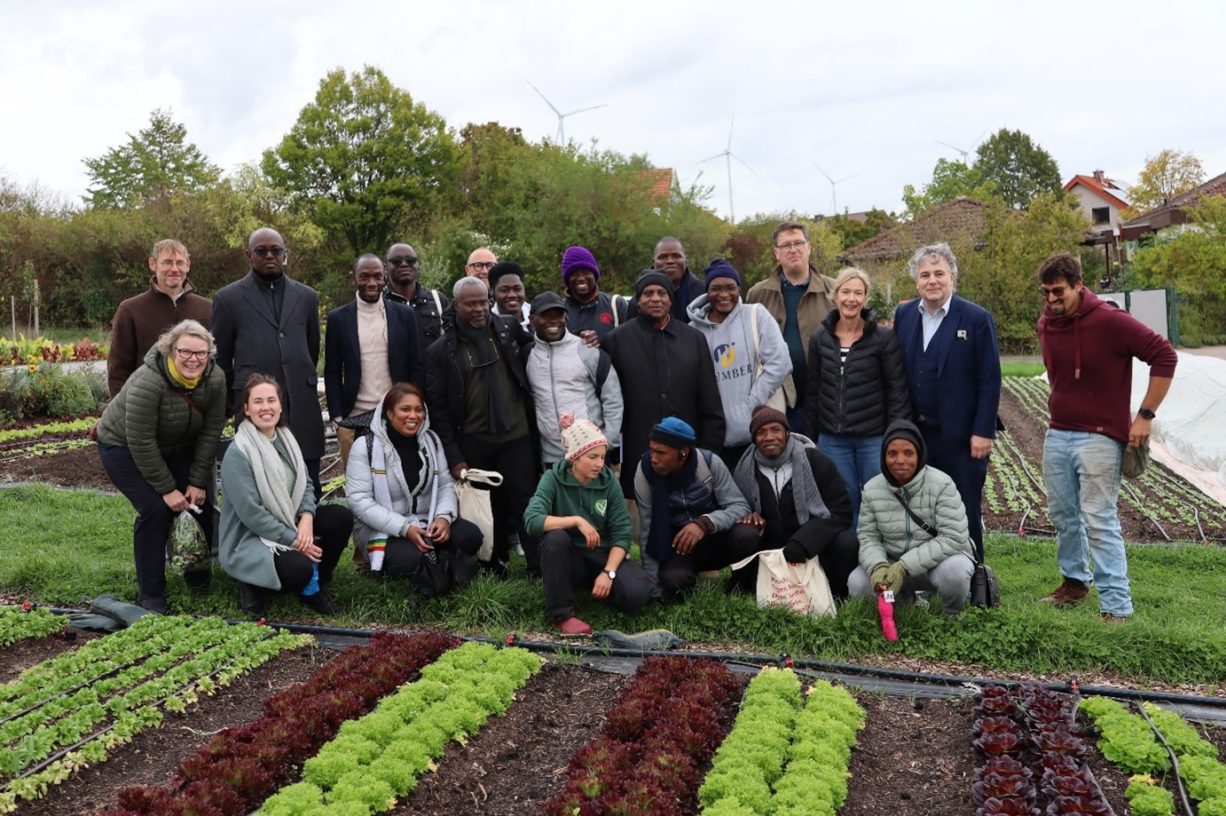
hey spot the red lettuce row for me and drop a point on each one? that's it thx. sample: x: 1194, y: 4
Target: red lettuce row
x: 657, y: 740
x: 242, y: 766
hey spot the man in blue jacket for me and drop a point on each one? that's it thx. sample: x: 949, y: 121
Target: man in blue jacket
x: 953, y: 371
x: 370, y: 343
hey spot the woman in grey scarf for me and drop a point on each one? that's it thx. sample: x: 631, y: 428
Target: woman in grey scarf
x: 273, y: 537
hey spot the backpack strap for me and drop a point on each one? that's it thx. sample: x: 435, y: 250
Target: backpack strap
x: 703, y: 469
x: 616, y: 315
x: 438, y: 307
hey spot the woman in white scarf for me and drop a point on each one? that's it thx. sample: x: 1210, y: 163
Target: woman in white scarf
x: 401, y: 492
x: 272, y: 535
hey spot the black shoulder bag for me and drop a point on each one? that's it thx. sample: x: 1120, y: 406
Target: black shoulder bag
x: 984, y: 589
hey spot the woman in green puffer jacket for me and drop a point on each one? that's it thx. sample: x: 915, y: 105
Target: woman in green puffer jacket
x: 157, y: 440
x: 928, y: 548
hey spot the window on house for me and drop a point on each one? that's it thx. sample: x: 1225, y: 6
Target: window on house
x: 1102, y: 215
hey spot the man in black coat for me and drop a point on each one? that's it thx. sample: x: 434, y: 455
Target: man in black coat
x: 665, y: 369
x: 797, y: 502
x: 264, y: 322
x: 402, y: 269
x: 481, y: 408
x: 371, y: 342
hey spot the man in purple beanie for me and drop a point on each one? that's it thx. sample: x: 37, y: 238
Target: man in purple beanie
x: 590, y: 313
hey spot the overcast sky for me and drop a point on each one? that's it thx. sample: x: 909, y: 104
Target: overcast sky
x: 864, y: 90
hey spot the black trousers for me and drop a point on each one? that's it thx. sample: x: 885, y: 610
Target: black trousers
x: 401, y: 556
x: 516, y: 461
x: 716, y: 551
x: 151, y: 530
x: 565, y: 566
x: 838, y: 555
x: 333, y: 526
x: 954, y: 459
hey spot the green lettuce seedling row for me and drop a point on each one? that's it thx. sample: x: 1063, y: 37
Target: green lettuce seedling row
x: 20, y: 624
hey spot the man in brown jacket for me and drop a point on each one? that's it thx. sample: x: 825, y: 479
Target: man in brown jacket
x: 140, y: 320
x: 798, y: 296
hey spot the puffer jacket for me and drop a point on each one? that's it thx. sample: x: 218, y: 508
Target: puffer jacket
x: 433, y: 497
x: 733, y: 353
x: 887, y: 532
x: 152, y: 417
x: 565, y: 379
x: 859, y: 397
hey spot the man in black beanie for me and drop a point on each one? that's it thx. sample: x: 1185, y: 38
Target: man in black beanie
x: 665, y: 369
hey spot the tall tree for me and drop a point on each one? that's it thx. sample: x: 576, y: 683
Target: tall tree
x: 1018, y: 167
x: 950, y: 179
x: 153, y: 164
x: 365, y: 160
x: 1164, y: 176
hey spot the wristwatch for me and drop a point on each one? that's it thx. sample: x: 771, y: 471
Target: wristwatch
x: 1145, y: 413
x: 611, y: 573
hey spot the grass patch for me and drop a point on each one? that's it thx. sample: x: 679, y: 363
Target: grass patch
x: 1021, y: 368
x: 65, y: 546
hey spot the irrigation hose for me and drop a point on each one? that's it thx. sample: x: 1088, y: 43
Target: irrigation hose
x: 1183, y: 793
x: 846, y: 669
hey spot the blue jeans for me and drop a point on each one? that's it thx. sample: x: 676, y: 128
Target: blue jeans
x: 858, y: 459
x: 1082, y: 473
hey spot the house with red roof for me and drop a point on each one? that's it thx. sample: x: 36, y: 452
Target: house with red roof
x: 1101, y: 199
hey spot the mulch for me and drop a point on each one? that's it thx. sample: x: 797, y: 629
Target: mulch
x: 153, y: 755
x: 518, y: 762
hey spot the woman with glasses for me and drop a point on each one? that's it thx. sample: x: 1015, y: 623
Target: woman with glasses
x: 157, y: 440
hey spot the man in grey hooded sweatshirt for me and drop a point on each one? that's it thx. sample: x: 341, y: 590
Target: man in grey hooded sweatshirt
x: 747, y: 348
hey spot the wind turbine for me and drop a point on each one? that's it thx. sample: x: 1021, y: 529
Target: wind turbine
x: 562, y: 116
x: 728, y: 157
x: 834, y: 184
x: 965, y: 154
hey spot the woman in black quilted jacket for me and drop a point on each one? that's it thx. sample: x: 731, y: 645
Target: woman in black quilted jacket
x: 857, y: 384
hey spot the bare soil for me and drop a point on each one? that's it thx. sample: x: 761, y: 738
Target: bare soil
x: 17, y: 657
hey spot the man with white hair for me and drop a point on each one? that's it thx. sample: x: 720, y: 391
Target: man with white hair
x: 481, y: 408
x: 953, y: 372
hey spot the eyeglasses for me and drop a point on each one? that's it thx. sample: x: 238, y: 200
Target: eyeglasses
x: 276, y: 251
x: 1058, y: 291
x: 791, y: 245
x: 482, y: 265
x: 186, y: 354
x: 397, y: 260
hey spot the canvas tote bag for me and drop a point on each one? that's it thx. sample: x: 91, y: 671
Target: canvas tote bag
x: 475, y: 505
x: 802, y: 588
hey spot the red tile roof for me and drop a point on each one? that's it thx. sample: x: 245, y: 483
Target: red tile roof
x: 659, y: 182
x: 1103, y: 191
x: 960, y: 217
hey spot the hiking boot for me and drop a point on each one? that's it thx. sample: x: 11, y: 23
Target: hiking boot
x: 321, y: 603
x: 155, y: 604
x: 1070, y: 593
x: 571, y: 627
x: 1109, y: 617
x: 251, y: 599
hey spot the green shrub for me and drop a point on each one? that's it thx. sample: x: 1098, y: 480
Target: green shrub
x: 47, y: 391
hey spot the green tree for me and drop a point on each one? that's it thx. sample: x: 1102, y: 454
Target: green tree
x: 153, y: 164
x: 852, y: 232
x: 950, y: 179
x: 1164, y: 176
x: 365, y: 162
x: 1017, y: 167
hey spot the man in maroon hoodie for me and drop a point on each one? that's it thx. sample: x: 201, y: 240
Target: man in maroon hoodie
x: 1088, y: 346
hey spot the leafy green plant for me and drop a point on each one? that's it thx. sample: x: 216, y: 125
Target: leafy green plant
x: 815, y: 780
x: 1147, y: 799
x: 1126, y: 739
x: 17, y: 624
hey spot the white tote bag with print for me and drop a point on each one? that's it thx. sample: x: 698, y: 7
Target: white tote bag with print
x: 803, y: 588
x: 474, y: 505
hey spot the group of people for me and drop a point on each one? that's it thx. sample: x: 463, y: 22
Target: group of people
x: 706, y: 422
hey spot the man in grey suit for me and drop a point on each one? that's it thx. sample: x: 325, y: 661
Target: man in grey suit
x: 268, y: 323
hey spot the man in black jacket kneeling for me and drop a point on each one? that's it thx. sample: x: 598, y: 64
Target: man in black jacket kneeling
x: 797, y: 502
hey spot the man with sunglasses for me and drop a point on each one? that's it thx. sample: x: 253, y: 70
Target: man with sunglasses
x: 1088, y: 346
x: 403, y: 267
x: 267, y: 323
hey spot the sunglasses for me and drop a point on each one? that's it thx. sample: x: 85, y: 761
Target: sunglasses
x: 397, y: 260
x: 276, y: 251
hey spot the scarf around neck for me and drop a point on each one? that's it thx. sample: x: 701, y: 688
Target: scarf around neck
x: 173, y: 371
x: 659, y: 537
x: 277, y: 496
x: 805, y: 496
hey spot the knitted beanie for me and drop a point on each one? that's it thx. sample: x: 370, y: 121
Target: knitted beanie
x: 579, y: 436
x: 720, y: 268
x: 674, y: 432
x: 649, y: 277
x: 765, y: 415
x: 576, y: 258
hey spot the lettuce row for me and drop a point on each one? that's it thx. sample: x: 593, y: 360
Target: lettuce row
x: 376, y: 759
x: 17, y: 624
x: 1126, y: 739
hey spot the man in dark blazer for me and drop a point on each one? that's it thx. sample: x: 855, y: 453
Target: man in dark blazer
x: 268, y: 323
x: 370, y: 343
x: 953, y: 371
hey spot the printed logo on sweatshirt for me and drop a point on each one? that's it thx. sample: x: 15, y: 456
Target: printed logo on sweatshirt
x: 601, y: 506
x: 725, y: 355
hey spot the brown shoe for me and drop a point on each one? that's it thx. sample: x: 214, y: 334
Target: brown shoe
x: 1070, y: 593
x: 1110, y: 618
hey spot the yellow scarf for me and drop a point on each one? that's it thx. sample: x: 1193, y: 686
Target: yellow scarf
x: 179, y: 378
